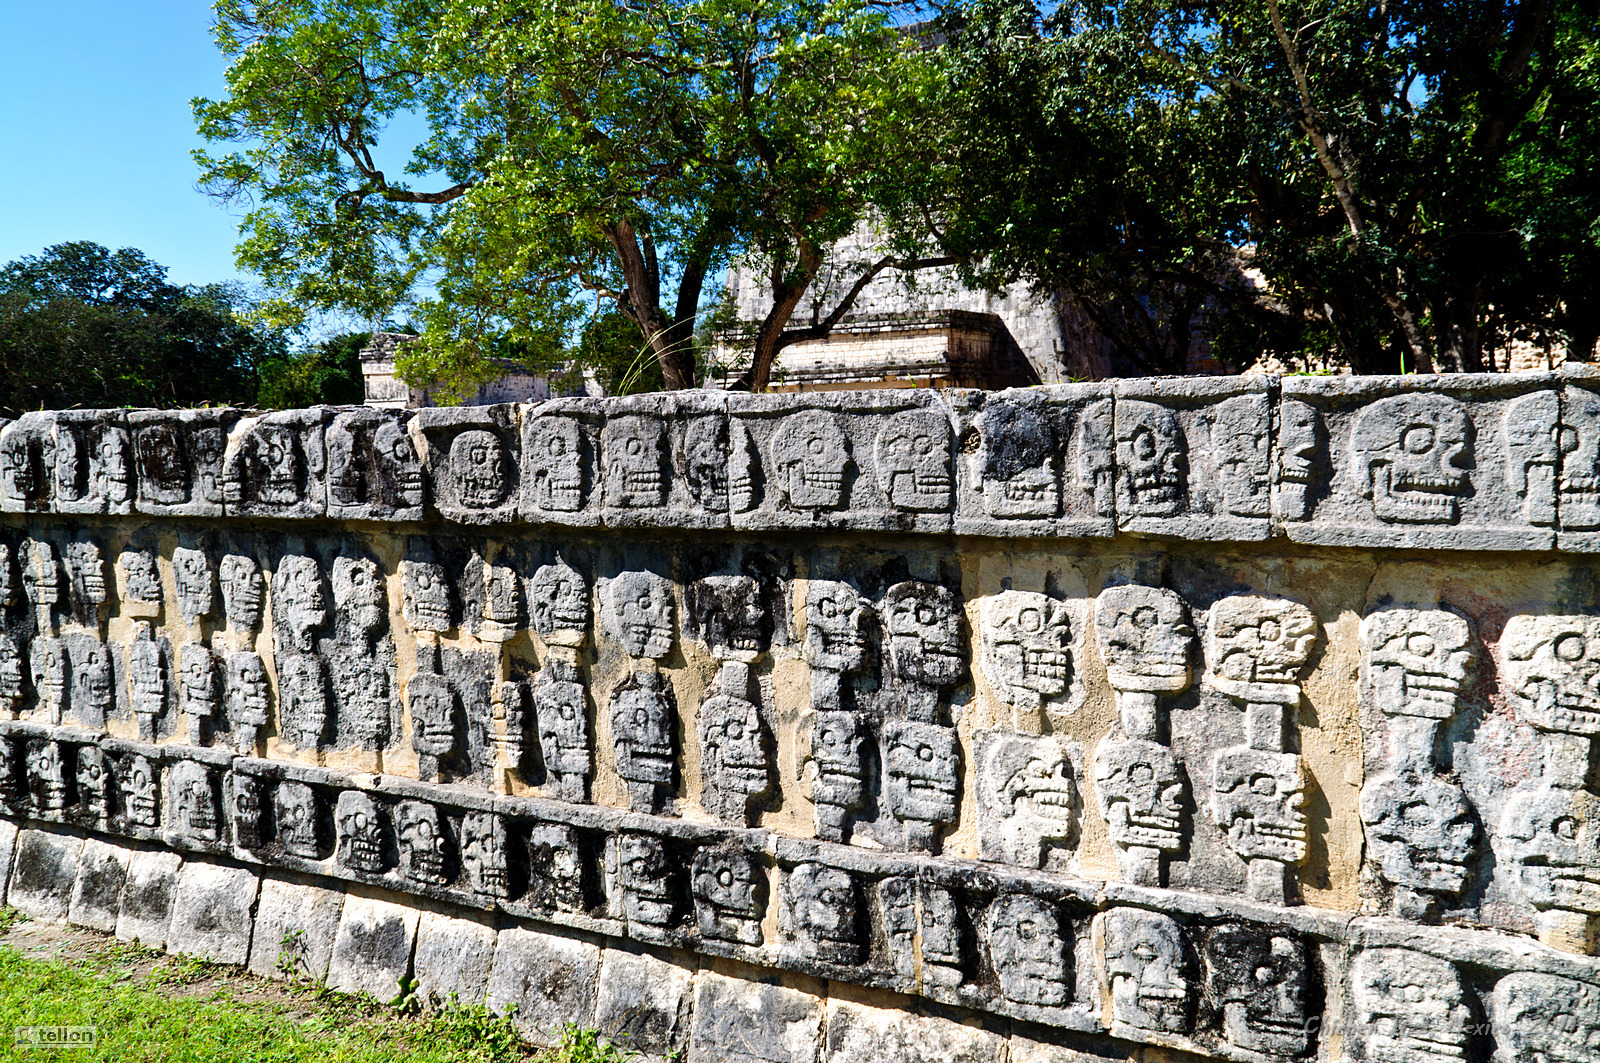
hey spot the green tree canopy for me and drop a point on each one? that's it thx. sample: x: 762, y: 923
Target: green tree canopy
x: 1413, y: 179
x: 81, y: 325
x: 625, y: 149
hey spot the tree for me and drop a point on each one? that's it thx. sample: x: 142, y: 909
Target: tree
x: 1403, y: 173
x: 323, y: 373
x: 626, y: 150
x: 81, y: 325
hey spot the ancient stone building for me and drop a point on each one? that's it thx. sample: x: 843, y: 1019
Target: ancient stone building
x: 1236, y: 719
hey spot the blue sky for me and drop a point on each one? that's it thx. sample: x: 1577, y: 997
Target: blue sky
x: 95, y: 131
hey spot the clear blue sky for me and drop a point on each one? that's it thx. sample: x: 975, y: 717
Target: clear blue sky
x: 95, y: 131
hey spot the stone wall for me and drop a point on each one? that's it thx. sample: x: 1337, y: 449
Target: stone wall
x: 1238, y: 717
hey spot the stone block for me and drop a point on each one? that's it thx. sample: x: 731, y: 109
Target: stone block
x: 295, y: 927
x: 742, y: 1021
x: 372, y: 950
x: 8, y: 850
x: 892, y: 1035
x: 453, y: 958
x: 643, y: 1001
x: 147, y: 896
x: 97, y: 895
x: 211, y: 912
x: 179, y: 460
x: 45, y: 869
x: 548, y: 980
x: 471, y: 457
x: 664, y: 461
x: 276, y: 465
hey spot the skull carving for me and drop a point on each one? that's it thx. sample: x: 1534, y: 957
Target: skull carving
x: 111, y: 465
x: 1580, y: 459
x: 1026, y: 643
x: 1028, y: 950
x: 303, y: 699
x: 298, y: 604
x: 93, y: 775
x: 246, y: 808
x: 1261, y: 981
x: 1019, y: 476
x: 198, y: 688
x: 559, y: 704
x: 71, y: 469
x: 557, y: 469
x: 483, y: 854
x: 246, y: 689
x: 398, y: 466
x: 733, y: 753
x: 706, y: 456
x: 22, y: 462
x: 836, y: 639
x: 433, y: 715
x: 728, y: 614
x: 1239, y: 442
x: 1545, y: 1018
x: 48, y: 663
x: 640, y: 613
x: 1411, y: 454
x: 1420, y: 831
x: 478, y: 467
x: 361, y: 690
x: 425, y: 601
x: 360, y: 833
x: 1533, y: 435
x: 558, y: 604
x: 92, y: 691
x: 645, y: 880
x: 913, y: 457
x: 635, y: 455
x: 502, y: 604
x: 924, y: 634
x: 941, y: 936
x: 836, y: 760
x: 10, y: 674
x: 271, y: 466
x: 47, y: 776
x: 146, y: 676
x: 349, y: 478
x: 241, y: 592
x: 1553, y: 671
x: 86, y: 570
x: 1152, y: 466
x: 41, y: 579
x: 141, y: 579
x: 1410, y: 1008
x: 555, y: 866
x: 194, y: 799
x: 923, y: 765
x: 1028, y: 795
x: 299, y: 820
x: 1140, y: 793
x: 641, y: 729
x: 1256, y: 648
x: 1145, y: 968
x: 140, y: 797
x: 821, y: 908
x: 1145, y: 638
x: 1300, y: 455
x: 810, y: 457
x: 1552, y: 835
x: 8, y: 578
x: 729, y: 895
x: 165, y: 475
x: 1256, y: 797
x: 1414, y: 661
x: 358, y: 596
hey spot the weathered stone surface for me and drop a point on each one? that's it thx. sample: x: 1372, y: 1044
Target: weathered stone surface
x: 212, y: 912
x: 372, y: 949
x: 551, y: 980
x: 643, y: 1002
x: 453, y: 958
x: 742, y: 1021
x: 147, y: 897
x: 858, y: 1031
x: 295, y: 925
x: 472, y: 461
x: 8, y: 852
x: 44, y: 872
x: 97, y: 894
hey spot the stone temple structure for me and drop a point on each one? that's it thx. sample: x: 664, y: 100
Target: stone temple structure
x: 1229, y: 719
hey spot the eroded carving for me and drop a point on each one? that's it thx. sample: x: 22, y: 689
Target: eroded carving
x: 1255, y: 798
x: 1262, y: 981
x: 729, y: 615
x: 360, y: 839
x: 425, y: 595
x: 1301, y: 455
x: 193, y: 796
x: 358, y: 595
x: 635, y: 459
x: 639, y: 613
x: 1546, y: 1019
x: 1415, y: 661
x: 557, y: 459
x: 913, y: 461
x: 302, y: 699
x: 1027, y: 654
x: 502, y: 604
x: 642, y: 714
x: 1408, y: 1007
x: 555, y: 868
x: 49, y: 664
x: 559, y: 705
x: 147, y: 679
x: 47, y: 777
x: 558, y: 604
x: 1151, y: 461
x: 1145, y: 969
x: 1140, y: 792
x: 10, y: 676
x: 299, y: 820
x: 1028, y: 797
x: 299, y: 606
x: 729, y: 889
x: 820, y: 910
x: 645, y: 881
x: 1553, y: 671
x: 923, y: 633
x: 93, y: 774
x: 373, y: 469
x: 246, y: 696
x: 1019, y: 475
x: 810, y: 458
x: 734, y: 767
x: 241, y: 593
x: 1421, y: 833
x: 706, y: 454
x: 483, y: 854
x: 141, y: 583
x: 199, y: 692
x: 196, y: 583
x: 1028, y: 950
x: 86, y: 579
x: 1240, y: 445
x: 922, y: 765
x: 1411, y: 454
x: 477, y: 473
x: 246, y: 807
x: 140, y: 787
x: 1552, y: 835
x: 1533, y: 435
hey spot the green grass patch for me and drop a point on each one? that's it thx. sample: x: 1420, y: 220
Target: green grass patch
x: 153, y: 1019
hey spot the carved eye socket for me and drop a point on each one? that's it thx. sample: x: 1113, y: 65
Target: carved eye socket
x: 640, y: 717
x: 926, y: 615
x: 1027, y: 930
x: 1270, y: 631
x: 1417, y: 439
x: 275, y: 453
x: 1570, y: 647
x: 568, y: 711
x: 478, y: 454
x: 399, y: 451
x: 360, y: 820
x: 828, y: 608
x: 634, y: 447
x: 733, y: 729
x: 1031, y: 620
x: 1263, y: 785
x: 923, y: 443
x: 1565, y: 828
x: 555, y: 446
x: 725, y: 877
x: 925, y: 753
x: 825, y: 895
x: 815, y: 445
x: 1421, y: 645
x: 424, y: 830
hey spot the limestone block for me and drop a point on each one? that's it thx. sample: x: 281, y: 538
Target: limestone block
x: 373, y: 469
x: 453, y: 958
x: 858, y: 1031
x: 44, y: 872
x: 179, y: 456
x: 372, y: 949
x: 211, y: 912
x: 664, y: 461
x: 471, y: 457
x: 295, y: 926
x: 550, y: 980
x: 27, y: 463
x: 147, y: 897
x: 741, y: 1021
x: 97, y: 895
x: 560, y: 479
x: 642, y: 1002
x: 8, y: 852
x: 92, y: 467
x: 1455, y: 463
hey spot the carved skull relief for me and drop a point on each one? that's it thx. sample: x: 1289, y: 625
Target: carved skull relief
x: 836, y: 639
x: 1141, y: 793
x: 1146, y: 969
x: 1409, y: 1007
x: 1411, y: 454
x: 502, y: 604
x: 425, y: 596
x: 478, y: 467
x: 147, y: 678
x: 296, y: 808
x: 1553, y: 671
x: 913, y: 459
x: 1030, y: 795
x: 1552, y: 835
x: 810, y: 456
x: 246, y: 689
x: 1261, y: 980
x: 559, y: 704
x: 1414, y: 661
x: 836, y: 759
x: 729, y: 894
x: 558, y: 604
x: 165, y: 475
x: 733, y: 750
x: 1300, y: 454
x: 922, y: 762
x: 93, y: 775
x: 193, y: 800
x: 1255, y: 798
x: 299, y: 606
x: 86, y: 569
x: 303, y: 699
x: 111, y: 465
x: 706, y: 455
x: 245, y: 807
x: 641, y: 729
x: 821, y: 908
x: 1420, y: 831
x: 645, y: 880
x: 360, y: 845
x: 141, y: 579
x: 10, y: 674
x: 241, y: 591
x: 923, y: 625
x: 1028, y: 950
x: 556, y: 465
x: 729, y: 615
x: 635, y: 454
x: 1152, y: 466
x: 139, y: 785
x: 1019, y: 476
x: 483, y: 854
x: 1545, y: 1018
x: 200, y: 692
x: 1532, y: 426
x: 1580, y: 459
x: 47, y: 776
x: 1240, y: 445
x: 433, y: 714
x: 640, y: 613
x: 48, y: 666
x: 358, y: 595
x: 1027, y: 640
x: 1145, y: 639
x: 1257, y: 647
x: 555, y: 868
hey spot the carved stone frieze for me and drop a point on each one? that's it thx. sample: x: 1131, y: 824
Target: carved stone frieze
x: 1027, y: 797
x: 730, y: 895
x: 1145, y: 970
x: 820, y: 911
x: 276, y: 465
x: 1408, y: 1006
x: 1028, y: 950
x: 373, y: 469
x: 472, y: 462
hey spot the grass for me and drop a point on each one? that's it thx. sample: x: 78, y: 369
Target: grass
x: 155, y: 1017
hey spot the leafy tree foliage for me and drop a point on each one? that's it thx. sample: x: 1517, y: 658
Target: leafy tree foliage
x: 81, y: 325
x: 323, y: 373
x: 1414, y: 179
x: 622, y: 148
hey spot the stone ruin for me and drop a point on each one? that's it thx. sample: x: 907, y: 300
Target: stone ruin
x: 1236, y: 719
